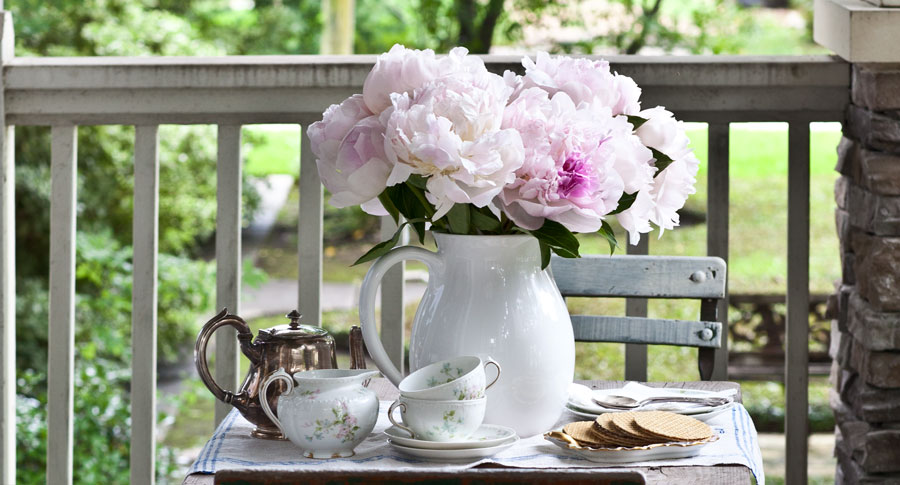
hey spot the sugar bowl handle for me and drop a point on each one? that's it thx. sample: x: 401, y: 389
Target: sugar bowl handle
x: 279, y: 375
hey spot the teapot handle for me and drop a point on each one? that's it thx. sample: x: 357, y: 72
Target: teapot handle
x: 367, y: 302
x: 244, y: 335
x: 279, y: 375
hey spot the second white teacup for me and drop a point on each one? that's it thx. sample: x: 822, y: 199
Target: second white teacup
x: 438, y: 420
x: 459, y: 378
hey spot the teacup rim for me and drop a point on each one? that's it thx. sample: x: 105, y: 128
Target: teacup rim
x: 443, y: 401
x: 479, y: 363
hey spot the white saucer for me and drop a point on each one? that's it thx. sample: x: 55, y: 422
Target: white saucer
x: 467, y: 454
x: 704, y: 416
x: 486, y: 436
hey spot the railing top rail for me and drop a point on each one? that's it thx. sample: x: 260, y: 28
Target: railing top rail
x: 259, y: 89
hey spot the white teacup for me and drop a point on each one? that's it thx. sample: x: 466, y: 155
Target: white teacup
x: 460, y: 378
x: 438, y: 420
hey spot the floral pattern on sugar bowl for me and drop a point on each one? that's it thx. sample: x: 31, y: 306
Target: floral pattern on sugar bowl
x: 325, y: 412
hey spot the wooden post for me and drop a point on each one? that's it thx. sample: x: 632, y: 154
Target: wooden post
x: 338, y: 28
x: 309, y: 235
x: 717, y: 183
x: 228, y: 256
x: 636, y: 354
x: 796, y: 360
x: 7, y: 272
x: 143, y: 305
x: 61, y: 346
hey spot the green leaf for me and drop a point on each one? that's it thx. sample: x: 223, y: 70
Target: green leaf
x: 662, y: 161
x: 411, y: 207
x: 458, y: 217
x: 381, y: 248
x: 484, y: 220
x: 558, y: 237
x: 417, y: 181
x: 636, y: 121
x: 389, y: 206
x: 625, y: 202
x: 545, y: 254
x: 608, y: 234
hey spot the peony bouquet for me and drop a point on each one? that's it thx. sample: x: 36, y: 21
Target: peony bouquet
x: 449, y: 146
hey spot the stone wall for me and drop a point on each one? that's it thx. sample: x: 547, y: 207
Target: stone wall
x: 866, y: 339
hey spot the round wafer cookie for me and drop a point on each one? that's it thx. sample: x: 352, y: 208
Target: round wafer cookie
x: 580, y: 431
x: 675, y: 427
x: 624, y: 424
x: 604, y: 427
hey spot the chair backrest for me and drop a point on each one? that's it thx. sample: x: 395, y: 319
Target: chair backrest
x: 676, y: 277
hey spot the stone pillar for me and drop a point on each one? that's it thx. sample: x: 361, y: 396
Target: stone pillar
x: 866, y: 335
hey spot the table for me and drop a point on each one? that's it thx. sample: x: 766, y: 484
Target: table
x: 730, y: 474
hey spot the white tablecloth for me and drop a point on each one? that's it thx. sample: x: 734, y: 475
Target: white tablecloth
x: 231, y: 447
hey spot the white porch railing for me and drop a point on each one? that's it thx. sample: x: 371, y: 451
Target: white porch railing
x: 232, y: 91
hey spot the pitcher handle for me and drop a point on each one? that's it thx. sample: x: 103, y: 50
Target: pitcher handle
x: 279, y: 375
x: 367, y: 302
x: 244, y: 335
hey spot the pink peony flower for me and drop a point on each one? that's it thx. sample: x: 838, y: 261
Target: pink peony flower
x: 449, y: 131
x: 399, y: 70
x: 671, y: 187
x: 583, y: 80
x: 574, y: 160
x: 349, y: 148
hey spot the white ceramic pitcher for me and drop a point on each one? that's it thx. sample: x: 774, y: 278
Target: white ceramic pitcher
x: 487, y: 296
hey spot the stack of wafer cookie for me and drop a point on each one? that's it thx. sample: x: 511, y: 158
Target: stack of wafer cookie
x: 634, y: 429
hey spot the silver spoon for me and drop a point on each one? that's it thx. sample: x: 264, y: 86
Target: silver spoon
x: 625, y: 402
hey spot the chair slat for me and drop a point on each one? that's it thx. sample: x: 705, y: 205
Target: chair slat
x: 61, y: 347
x: 228, y: 256
x: 640, y: 276
x: 143, y: 303
x: 590, y: 328
x: 796, y: 379
x: 309, y: 235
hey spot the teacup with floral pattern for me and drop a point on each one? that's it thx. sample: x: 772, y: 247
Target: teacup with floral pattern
x: 433, y: 420
x: 460, y: 378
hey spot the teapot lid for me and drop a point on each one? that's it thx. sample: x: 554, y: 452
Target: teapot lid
x: 293, y: 330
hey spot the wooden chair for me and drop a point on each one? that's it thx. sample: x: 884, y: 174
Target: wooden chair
x: 648, y: 277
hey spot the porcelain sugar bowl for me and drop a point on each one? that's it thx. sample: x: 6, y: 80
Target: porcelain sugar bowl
x: 325, y: 412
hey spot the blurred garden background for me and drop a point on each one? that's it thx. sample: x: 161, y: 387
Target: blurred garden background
x: 187, y: 200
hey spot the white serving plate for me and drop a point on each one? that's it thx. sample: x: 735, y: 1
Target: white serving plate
x: 466, y: 454
x: 661, y: 451
x: 486, y: 436
x: 705, y: 416
x: 582, y: 401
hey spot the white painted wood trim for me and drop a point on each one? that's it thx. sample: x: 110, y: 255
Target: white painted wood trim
x: 589, y: 328
x: 143, y: 304
x: 309, y: 235
x: 717, y: 230
x: 228, y: 256
x: 640, y: 276
x: 7, y: 273
x: 636, y: 354
x: 235, y: 90
x: 796, y: 377
x: 392, y: 311
x: 7, y: 307
x: 61, y: 347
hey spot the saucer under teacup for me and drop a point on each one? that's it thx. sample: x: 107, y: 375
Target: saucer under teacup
x: 487, y: 435
x: 461, y: 455
x: 458, y: 378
